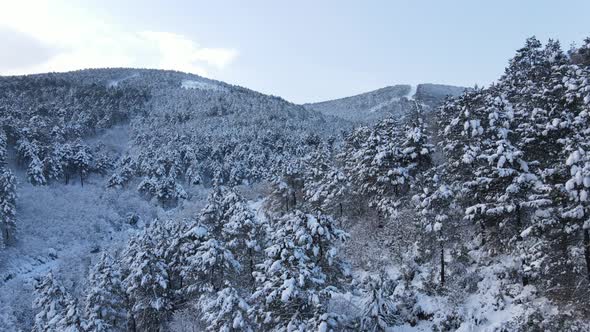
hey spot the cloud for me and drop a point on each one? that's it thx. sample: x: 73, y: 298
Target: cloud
x: 21, y: 50
x: 177, y: 49
x: 57, y: 37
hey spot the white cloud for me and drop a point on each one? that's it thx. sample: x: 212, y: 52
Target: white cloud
x: 78, y: 39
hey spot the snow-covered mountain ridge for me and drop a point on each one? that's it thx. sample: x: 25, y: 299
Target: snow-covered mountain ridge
x: 394, y: 100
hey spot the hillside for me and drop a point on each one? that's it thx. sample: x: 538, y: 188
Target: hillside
x: 91, y: 149
x: 395, y: 100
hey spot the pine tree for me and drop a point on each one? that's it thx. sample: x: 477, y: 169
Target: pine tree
x: 147, y: 282
x: 71, y: 321
x: 3, y: 148
x: 82, y: 160
x: 437, y: 215
x: 52, y: 301
x: 243, y: 233
x: 325, y: 185
x: 300, y: 271
x: 224, y: 227
x: 379, y: 309
x: 287, y: 186
x: 7, y: 206
x: 227, y: 310
x: 105, y: 301
x: 65, y: 154
x: 35, y: 172
x: 124, y: 172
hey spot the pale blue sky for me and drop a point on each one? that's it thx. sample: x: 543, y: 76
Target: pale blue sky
x: 301, y: 50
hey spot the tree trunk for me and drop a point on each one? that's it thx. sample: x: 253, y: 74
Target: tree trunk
x: 340, y: 205
x: 587, y: 251
x: 525, y: 279
x: 81, y: 179
x: 132, y: 324
x: 294, y: 199
x: 442, y: 264
x: 251, y: 262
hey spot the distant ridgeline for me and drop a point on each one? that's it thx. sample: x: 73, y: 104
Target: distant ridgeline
x: 396, y: 101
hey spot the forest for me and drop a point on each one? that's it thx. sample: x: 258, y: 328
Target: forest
x: 468, y: 213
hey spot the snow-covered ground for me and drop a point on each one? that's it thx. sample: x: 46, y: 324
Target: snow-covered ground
x: 412, y: 92
x: 115, y: 83
x: 191, y: 84
x: 64, y: 228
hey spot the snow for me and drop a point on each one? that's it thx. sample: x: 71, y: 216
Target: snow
x: 382, y: 105
x: 200, y: 85
x: 412, y: 92
x: 437, y: 226
x: 59, y: 228
x: 115, y: 83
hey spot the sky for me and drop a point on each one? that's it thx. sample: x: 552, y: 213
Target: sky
x: 303, y: 51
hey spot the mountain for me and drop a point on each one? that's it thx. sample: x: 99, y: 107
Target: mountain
x: 397, y: 100
x: 43, y: 112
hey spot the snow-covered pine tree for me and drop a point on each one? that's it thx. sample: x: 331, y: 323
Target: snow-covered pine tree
x: 225, y: 230
x: 7, y: 206
x: 125, y: 169
x: 227, y: 310
x: 51, y: 301
x: 581, y: 56
x: 3, y: 148
x: 491, y: 171
x: 36, y: 172
x: 384, y: 160
x: 165, y: 189
x: 325, y: 185
x: 577, y: 182
x: 146, y: 281
x: 242, y: 232
x: 105, y: 308
x: 287, y: 186
x: 82, y: 160
x: 300, y: 272
x: 71, y: 321
x: 161, y: 177
x: 64, y: 153
x: 184, y: 249
x: 103, y: 161
x: 437, y: 217
x: 379, y: 308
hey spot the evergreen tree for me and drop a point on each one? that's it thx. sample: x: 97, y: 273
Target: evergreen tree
x: 71, y: 321
x: 325, y: 185
x: 3, y: 148
x: 82, y: 160
x: 147, y: 282
x: 379, y: 309
x: 105, y: 301
x: 51, y: 301
x: 7, y: 206
x: 36, y: 172
x: 227, y: 310
x: 437, y: 215
x: 299, y: 273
